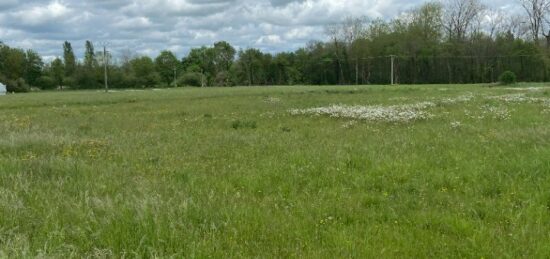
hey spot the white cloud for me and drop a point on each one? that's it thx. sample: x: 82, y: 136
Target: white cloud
x: 148, y: 26
x: 41, y: 14
x: 269, y: 39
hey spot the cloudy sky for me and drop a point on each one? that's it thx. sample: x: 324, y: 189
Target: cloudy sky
x: 147, y: 26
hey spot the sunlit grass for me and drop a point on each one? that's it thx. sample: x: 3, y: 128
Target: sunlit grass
x: 234, y: 172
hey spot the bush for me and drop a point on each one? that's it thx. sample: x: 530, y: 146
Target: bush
x: 223, y: 79
x: 190, y: 79
x: 17, y: 86
x: 238, y: 124
x: 507, y: 78
x: 46, y: 82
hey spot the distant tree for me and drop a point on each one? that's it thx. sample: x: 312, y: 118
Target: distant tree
x: 144, y: 71
x: 460, y: 17
x: 87, y: 74
x: 13, y: 62
x: 251, y: 69
x: 165, y: 64
x: 69, y: 59
x: 224, y: 56
x: 333, y: 31
x: 537, y: 11
x: 89, y: 55
x: 33, y: 67
x: 57, y: 72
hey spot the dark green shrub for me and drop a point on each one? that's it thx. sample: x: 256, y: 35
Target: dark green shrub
x: 190, y: 79
x: 507, y: 78
x: 238, y: 124
x: 46, y: 82
x: 17, y: 86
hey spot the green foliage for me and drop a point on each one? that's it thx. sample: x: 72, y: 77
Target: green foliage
x: 69, y: 59
x: 429, y: 48
x: 89, y: 56
x: 33, y: 67
x: 17, y: 86
x: 244, y: 124
x: 165, y: 64
x: 507, y: 78
x: 46, y: 82
x: 190, y: 79
x: 145, y: 72
x: 57, y: 72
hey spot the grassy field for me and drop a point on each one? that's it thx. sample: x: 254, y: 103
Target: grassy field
x: 308, y: 172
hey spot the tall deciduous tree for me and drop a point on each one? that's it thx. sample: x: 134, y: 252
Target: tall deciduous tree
x: 33, y: 67
x: 460, y: 16
x: 57, y: 72
x: 537, y: 11
x: 165, y: 64
x: 144, y: 71
x: 69, y: 59
x: 89, y: 55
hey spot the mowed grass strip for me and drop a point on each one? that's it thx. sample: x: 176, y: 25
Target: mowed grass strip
x: 233, y: 172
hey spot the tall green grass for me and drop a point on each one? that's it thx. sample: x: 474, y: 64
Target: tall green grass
x: 229, y: 172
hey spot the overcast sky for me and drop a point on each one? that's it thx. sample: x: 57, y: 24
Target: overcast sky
x: 147, y: 26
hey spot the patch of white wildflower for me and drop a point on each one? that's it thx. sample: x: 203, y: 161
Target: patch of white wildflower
x: 460, y: 99
x: 517, y: 98
x: 499, y: 113
x: 456, y: 125
x: 546, y: 105
x: 272, y: 100
x: 349, y: 124
x: 394, y: 113
x: 528, y: 89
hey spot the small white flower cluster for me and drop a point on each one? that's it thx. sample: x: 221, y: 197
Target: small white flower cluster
x: 349, y: 124
x: 489, y: 111
x: 546, y: 105
x: 460, y: 99
x: 272, y: 100
x: 517, y: 98
x: 394, y: 113
x: 500, y: 113
x: 523, y: 98
x: 456, y: 124
x: 529, y: 89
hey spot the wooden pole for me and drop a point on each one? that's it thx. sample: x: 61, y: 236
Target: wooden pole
x: 105, y: 68
x: 392, y: 68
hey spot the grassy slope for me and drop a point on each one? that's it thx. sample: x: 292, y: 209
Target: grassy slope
x: 160, y: 173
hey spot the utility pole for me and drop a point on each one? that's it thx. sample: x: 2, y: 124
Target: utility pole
x: 203, y: 59
x: 105, y: 64
x: 357, y: 71
x: 392, y: 68
x: 175, y: 77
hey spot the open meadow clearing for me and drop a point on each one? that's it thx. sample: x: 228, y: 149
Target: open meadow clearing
x: 303, y: 171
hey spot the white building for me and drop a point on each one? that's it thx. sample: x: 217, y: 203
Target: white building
x: 2, y: 89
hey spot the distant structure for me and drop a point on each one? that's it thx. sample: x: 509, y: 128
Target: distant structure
x: 2, y: 89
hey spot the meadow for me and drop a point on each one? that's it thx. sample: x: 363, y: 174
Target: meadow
x: 299, y: 172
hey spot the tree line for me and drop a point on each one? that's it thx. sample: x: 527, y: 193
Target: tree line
x: 457, y: 41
